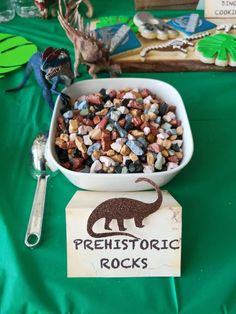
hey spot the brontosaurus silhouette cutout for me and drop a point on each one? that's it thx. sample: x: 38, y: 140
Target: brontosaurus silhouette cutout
x: 121, y: 209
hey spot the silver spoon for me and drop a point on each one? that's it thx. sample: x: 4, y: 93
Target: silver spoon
x: 42, y: 173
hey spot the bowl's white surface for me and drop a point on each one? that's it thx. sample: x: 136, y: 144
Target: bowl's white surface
x: 121, y: 182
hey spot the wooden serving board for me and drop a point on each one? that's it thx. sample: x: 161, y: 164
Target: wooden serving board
x: 173, y: 66
x: 166, y: 4
x: 160, y: 61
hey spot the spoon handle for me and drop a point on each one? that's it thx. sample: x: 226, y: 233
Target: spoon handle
x: 33, y: 233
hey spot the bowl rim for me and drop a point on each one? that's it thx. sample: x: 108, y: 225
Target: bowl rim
x: 69, y: 172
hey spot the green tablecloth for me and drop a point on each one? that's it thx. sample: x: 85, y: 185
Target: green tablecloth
x: 34, y: 281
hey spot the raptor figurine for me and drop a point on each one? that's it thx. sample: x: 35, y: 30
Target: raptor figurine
x: 88, y: 49
x: 51, y: 67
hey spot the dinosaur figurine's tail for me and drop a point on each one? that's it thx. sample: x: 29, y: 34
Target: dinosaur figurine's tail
x: 28, y: 71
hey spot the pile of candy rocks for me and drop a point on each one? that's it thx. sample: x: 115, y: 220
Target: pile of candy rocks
x: 119, y: 131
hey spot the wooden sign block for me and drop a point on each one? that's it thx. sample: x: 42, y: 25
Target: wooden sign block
x: 166, y: 4
x: 220, y: 9
x: 152, y: 250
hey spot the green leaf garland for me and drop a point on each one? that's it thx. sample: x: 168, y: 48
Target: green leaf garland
x: 14, y: 52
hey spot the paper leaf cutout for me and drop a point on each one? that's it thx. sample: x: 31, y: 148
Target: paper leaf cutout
x: 14, y: 52
x: 219, y: 49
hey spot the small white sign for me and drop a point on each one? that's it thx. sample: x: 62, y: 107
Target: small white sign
x: 155, y: 249
x: 220, y: 9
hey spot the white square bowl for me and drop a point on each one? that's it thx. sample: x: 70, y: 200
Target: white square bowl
x: 121, y: 182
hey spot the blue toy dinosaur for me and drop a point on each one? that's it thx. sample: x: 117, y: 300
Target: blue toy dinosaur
x: 51, y: 67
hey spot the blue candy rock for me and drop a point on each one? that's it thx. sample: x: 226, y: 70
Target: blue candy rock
x: 114, y: 115
x: 92, y: 148
x: 158, y: 163
x: 81, y: 105
x: 143, y: 142
x: 158, y: 120
x: 119, y: 129
x: 68, y: 114
x: 166, y: 126
x: 134, y: 146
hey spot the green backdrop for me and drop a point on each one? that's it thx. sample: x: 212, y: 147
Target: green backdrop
x: 34, y: 281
